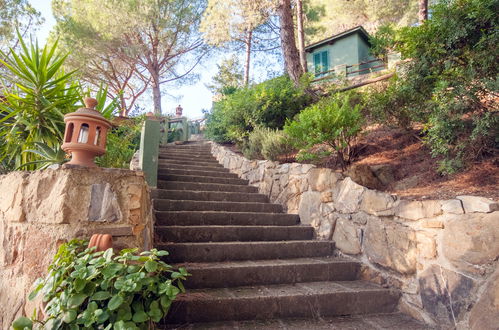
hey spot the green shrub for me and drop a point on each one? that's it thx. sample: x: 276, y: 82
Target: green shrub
x: 333, y: 121
x: 100, y: 290
x: 266, y: 143
x: 392, y: 103
x: 268, y: 104
x: 451, y: 81
x: 122, y: 142
x: 276, y: 144
x: 252, y: 148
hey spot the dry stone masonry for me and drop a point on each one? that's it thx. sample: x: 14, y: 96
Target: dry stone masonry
x: 441, y: 254
x: 40, y: 210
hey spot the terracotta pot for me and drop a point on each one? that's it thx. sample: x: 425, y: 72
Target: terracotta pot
x: 101, y: 241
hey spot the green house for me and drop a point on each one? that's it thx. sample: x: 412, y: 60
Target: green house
x: 344, y: 54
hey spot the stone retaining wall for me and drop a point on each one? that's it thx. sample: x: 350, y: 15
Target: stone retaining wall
x: 441, y: 254
x: 40, y: 210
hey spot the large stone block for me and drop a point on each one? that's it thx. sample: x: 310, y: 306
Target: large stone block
x: 391, y: 245
x: 309, y: 206
x: 446, y: 295
x: 473, y: 204
x: 326, y: 227
x: 11, y: 208
x: 347, y: 237
x: 485, y: 312
x: 427, y: 247
x: 415, y: 210
x: 298, y: 169
x: 471, y: 241
x: 452, y: 206
x: 321, y: 179
x: 377, y: 203
x: 348, y: 197
x: 45, y: 198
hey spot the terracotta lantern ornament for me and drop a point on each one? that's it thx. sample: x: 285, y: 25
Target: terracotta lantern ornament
x: 86, y: 133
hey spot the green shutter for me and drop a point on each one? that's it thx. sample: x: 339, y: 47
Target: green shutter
x: 325, y: 60
x: 317, y: 63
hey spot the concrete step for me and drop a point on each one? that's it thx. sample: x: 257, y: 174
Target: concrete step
x: 204, y: 179
x: 198, y: 218
x: 190, y: 205
x: 275, y: 271
x: 385, y: 321
x: 225, y: 251
x: 186, y: 152
x: 216, y: 169
x: 309, y: 299
x: 169, y: 162
x: 208, y: 196
x: 182, y: 171
x: 198, y: 156
x: 232, y: 233
x: 210, y: 159
x: 187, y: 147
x: 182, y: 185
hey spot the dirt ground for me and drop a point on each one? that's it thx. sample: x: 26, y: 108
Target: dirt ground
x: 411, y: 161
x: 413, y: 168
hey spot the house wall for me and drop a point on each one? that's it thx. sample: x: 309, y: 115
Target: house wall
x: 349, y: 50
x: 342, y: 51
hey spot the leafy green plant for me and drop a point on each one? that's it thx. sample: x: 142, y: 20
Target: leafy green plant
x: 267, y: 104
x: 122, y: 142
x: 175, y: 134
x: 275, y: 145
x: 450, y: 84
x: 101, y: 290
x: 252, y: 148
x: 333, y: 121
x: 49, y: 156
x: 37, y: 94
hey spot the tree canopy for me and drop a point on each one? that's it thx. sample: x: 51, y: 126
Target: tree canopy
x: 16, y: 14
x: 132, y: 45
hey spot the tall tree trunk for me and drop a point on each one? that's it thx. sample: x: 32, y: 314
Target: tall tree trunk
x: 156, y: 93
x: 423, y: 10
x: 123, y: 110
x: 249, y: 39
x: 288, y: 43
x: 301, y: 35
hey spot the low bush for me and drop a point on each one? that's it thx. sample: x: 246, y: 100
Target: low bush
x: 101, y: 290
x: 122, y: 142
x: 334, y: 121
x: 275, y: 145
x: 266, y: 143
x: 267, y: 104
x: 252, y: 147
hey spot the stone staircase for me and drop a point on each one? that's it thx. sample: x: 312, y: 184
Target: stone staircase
x: 253, y: 266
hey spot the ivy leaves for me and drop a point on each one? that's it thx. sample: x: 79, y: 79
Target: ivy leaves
x: 86, y: 289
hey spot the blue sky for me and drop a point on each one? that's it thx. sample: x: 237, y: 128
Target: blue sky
x: 193, y: 98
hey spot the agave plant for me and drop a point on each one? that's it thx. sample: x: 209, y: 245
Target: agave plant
x: 37, y: 94
x: 48, y: 156
x: 107, y: 110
